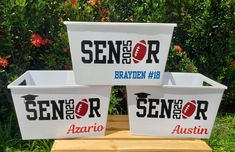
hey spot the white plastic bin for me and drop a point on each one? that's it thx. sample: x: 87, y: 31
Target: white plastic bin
x: 50, y: 105
x: 119, y: 53
x: 185, y: 106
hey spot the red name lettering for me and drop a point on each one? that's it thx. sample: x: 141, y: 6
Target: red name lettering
x: 194, y: 130
x: 73, y: 129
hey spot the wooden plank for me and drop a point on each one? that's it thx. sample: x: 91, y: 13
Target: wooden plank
x: 117, y: 126
x: 130, y: 146
x: 117, y: 122
x: 126, y: 135
x: 118, y: 118
x: 118, y: 138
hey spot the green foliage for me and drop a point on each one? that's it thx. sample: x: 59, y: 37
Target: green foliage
x: 179, y: 61
x: 206, y: 30
x: 118, y: 101
x: 10, y: 139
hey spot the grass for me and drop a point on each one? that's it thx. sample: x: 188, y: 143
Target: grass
x: 223, y: 135
x: 10, y: 139
x: 222, y: 138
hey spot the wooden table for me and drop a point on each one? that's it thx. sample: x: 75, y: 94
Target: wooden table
x: 118, y: 138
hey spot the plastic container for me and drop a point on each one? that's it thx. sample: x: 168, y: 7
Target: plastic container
x: 49, y: 104
x: 119, y: 53
x: 185, y: 106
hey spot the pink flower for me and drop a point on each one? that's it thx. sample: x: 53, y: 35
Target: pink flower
x: 178, y: 48
x: 3, y: 62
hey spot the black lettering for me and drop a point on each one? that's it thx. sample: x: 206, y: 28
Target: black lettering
x: 94, y: 107
x: 98, y: 51
x: 153, y: 51
x: 114, y: 52
x: 202, y: 107
x: 178, y: 106
x: 69, y: 106
x: 86, y: 51
x: 69, y: 109
x: 70, y: 112
x: 127, y: 44
x: 56, y: 109
x: 176, y: 116
x: 126, y: 49
x: 180, y: 101
x: 33, y: 111
x: 166, y: 109
x: 69, y: 117
x: 141, y: 107
x: 153, y: 107
x: 42, y: 110
x: 70, y: 101
x: 126, y: 61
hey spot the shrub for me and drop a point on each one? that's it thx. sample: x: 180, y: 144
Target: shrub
x: 206, y: 32
x: 34, y: 34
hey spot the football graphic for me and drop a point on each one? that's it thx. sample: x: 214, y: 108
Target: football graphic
x: 188, y: 109
x: 81, y: 108
x: 139, y: 51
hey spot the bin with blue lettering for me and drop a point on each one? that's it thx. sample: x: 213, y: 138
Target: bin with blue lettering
x: 184, y: 106
x: 49, y: 104
x: 119, y: 53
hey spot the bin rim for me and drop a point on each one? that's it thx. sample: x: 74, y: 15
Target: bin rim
x: 55, y: 86
x: 15, y: 83
x: 70, y: 23
x: 194, y: 87
x: 214, y: 85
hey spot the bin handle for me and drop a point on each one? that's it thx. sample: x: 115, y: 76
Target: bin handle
x: 212, y: 82
x: 18, y: 81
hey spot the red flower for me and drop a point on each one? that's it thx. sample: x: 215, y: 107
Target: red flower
x: 46, y: 41
x: 3, y: 62
x: 36, y: 40
x: 178, y: 48
x: 93, y: 2
x: 104, y: 12
x: 104, y: 19
x: 73, y: 2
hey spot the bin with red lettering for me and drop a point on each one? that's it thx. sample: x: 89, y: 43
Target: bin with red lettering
x: 184, y: 106
x: 119, y: 53
x: 49, y: 104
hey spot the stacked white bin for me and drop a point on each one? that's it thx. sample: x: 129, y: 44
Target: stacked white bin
x: 49, y: 104
x: 65, y: 104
